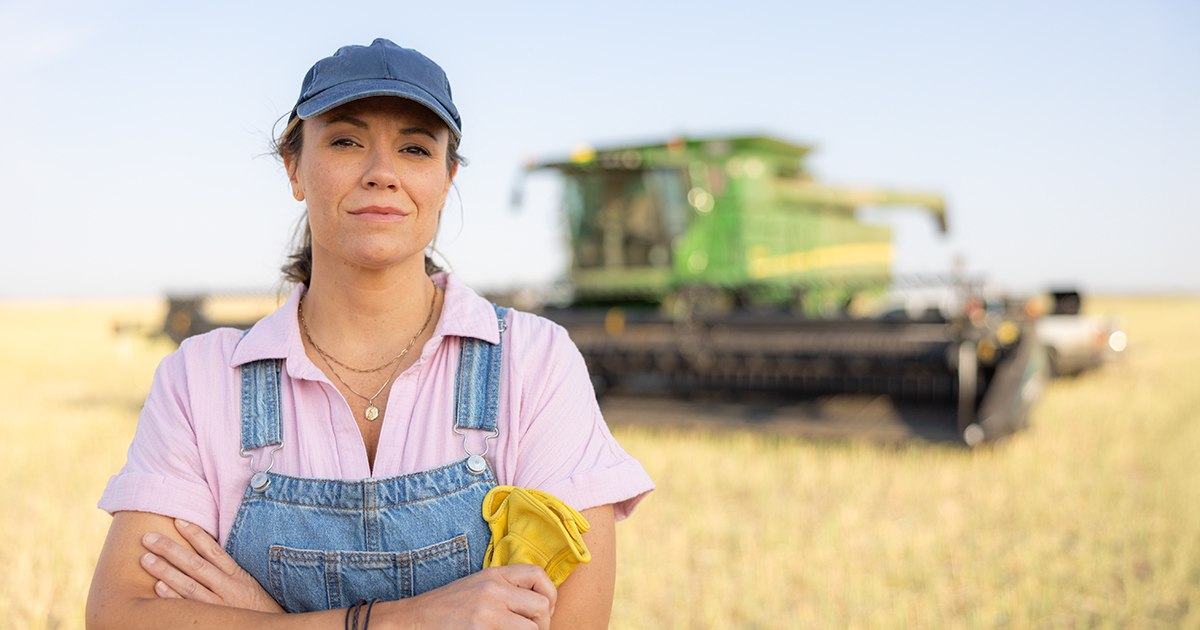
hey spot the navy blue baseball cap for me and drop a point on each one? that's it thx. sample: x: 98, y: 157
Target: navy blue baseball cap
x: 381, y: 69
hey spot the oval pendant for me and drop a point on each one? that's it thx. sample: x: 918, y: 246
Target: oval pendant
x: 260, y: 481
x: 371, y: 413
x: 476, y: 464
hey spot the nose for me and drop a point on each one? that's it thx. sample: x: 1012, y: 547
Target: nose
x: 380, y: 170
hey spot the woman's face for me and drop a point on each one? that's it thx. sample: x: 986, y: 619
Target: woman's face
x: 373, y: 173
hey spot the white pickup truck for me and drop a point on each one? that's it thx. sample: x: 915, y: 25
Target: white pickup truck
x: 1076, y: 342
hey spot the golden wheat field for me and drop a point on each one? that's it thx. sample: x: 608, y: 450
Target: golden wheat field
x: 1091, y: 519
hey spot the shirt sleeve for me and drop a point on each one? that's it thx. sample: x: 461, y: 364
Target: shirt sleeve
x: 164, y: 472
x: 565, y: 447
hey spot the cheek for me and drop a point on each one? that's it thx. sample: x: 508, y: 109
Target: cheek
x: 434, y: 186
x: 323, y: 181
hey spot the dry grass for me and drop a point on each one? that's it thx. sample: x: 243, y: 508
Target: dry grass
x: 1090, y: 519
x: 71, y: 392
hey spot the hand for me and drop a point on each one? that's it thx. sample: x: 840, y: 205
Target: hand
x: 206, y: 575
x: 520, y: 596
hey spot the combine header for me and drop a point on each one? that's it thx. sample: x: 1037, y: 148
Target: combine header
x: 720, y: 264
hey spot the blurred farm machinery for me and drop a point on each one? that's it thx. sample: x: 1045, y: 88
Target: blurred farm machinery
x: 191, y: 314
x: 702, y: 265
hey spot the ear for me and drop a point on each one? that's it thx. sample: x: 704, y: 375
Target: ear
x: 449, y: 182
x: 292, y: 167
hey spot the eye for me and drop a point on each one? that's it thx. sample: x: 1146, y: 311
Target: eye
x: 416, y: 150
x: 343, y: 142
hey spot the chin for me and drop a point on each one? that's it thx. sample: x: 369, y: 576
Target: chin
x: 388, y: 260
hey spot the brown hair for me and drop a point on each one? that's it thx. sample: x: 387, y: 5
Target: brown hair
x: 299, y: 265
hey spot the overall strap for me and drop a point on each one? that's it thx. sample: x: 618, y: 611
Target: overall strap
x: 477, y: 386
x: 260, y: 404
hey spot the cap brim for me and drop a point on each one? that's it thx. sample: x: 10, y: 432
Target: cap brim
x: 353, y: 90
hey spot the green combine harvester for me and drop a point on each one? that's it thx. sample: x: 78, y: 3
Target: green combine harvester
x: 720, y: 264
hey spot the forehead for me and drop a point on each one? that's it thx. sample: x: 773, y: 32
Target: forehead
x: 400, y: 109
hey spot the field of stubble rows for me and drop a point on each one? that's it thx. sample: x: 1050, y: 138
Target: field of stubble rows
x: 1091, y: 519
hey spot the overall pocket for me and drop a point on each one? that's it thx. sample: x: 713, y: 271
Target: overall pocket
x: 304, y: 580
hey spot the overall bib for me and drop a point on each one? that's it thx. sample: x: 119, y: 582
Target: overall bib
x: 316, y: 544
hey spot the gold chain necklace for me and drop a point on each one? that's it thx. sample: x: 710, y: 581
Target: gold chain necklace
x: 329, y: 357
x: 372, y: 412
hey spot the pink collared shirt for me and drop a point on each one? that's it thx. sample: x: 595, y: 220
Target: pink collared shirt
x: 184, y: 461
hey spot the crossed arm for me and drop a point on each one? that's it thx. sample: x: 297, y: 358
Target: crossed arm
x: 155, y: 572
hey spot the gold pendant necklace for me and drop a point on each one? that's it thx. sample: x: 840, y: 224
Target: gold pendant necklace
x: 371, y: 412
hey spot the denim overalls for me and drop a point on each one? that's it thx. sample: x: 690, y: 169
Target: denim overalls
x: 316, y: 544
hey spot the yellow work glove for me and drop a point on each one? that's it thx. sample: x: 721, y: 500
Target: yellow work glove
x: 532, y: 527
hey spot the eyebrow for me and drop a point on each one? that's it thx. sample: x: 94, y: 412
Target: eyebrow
x: 408, y: 131
x: 361, y: 124
x: 357, y: 122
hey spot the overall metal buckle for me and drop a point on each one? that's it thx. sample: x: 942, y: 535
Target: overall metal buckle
x: 259, y: 479
x: 476, y: 464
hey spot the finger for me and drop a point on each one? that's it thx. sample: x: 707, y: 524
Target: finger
x: 185, y: 560
x: 166, y: 592
x: 536, y: 595
x: 534, y: 578
x: 177, y: 581
x: 206, y: 546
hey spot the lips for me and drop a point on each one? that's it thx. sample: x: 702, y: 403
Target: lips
x: 380, y: 213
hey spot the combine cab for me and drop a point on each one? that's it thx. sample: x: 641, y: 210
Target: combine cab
x: 721, y: 265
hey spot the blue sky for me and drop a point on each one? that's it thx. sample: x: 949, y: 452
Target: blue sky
x: 1064, y: 135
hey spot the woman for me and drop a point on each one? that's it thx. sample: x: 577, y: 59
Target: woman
x: 340, y: 449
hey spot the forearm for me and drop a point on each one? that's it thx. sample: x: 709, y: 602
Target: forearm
x: 122, y: 594
x: 110, y: 611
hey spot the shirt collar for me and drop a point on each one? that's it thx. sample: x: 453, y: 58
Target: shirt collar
x: 464, y: 313
x: 277, y: 336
